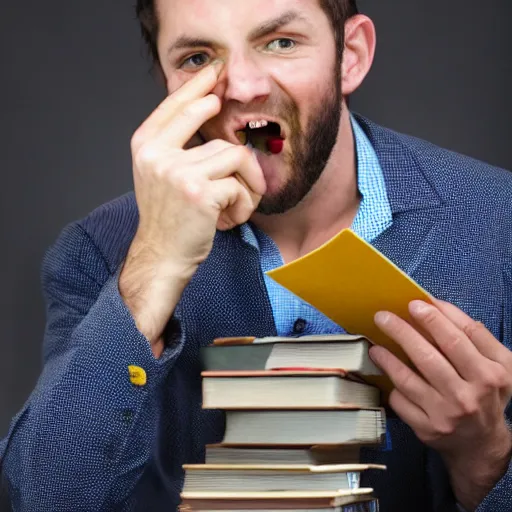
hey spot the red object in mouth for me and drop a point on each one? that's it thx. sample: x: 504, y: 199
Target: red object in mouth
x: 275, y: 145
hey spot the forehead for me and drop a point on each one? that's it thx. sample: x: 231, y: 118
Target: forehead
x: 179, y: 16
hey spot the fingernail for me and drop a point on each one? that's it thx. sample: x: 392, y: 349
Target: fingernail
x: 218, y: 65
x: 418, y: 307
x: 382, y: 317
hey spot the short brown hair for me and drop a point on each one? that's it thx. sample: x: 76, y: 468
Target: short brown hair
x: 338, y: 11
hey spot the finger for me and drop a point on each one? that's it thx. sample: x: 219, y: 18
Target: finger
x: 239, y: 160
x: 241, y: 211
x: 197, y: 87
x: 234, y: 201
x: 409, y: 383
x: 207, y: 150
x: 480, y: 336
x: 184, y: 124
x: 451, y: 340
x: 409, y: 412
x: 431, y: 364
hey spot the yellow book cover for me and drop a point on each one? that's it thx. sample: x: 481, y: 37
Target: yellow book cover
x: 349, y: 281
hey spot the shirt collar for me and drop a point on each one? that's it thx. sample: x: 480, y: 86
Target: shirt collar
x: 374, y: 215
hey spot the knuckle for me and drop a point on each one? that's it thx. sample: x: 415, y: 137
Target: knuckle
x: 496, y: 378
x: 429, y: 357
x: 225, y: 222
x: 191, y: 190
x: 213, y: 101
x: 218, y: 144
x: 242, y: 152
x: 459, y: 398
x: 443, y: 428
x: 504, y: 379
x: 177, y: 179
x: 469, y: 407
x: 189, y: 111
x: 243, y: 212
x: 137, y: 141
x: 430, y: 317
x: 210, y: 103
x: 466, y: 404
x: 147, y: 156
x: 404, y: 377
x: 473, y: 329
x: 395, y: 400
x: 454, y: 342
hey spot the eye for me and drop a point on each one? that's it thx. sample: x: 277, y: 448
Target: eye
x: 281, y: 44
x: 195, y: 61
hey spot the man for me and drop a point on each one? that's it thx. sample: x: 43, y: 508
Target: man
x: 150, y: 278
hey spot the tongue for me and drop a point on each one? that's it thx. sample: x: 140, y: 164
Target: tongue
x: 275, y: 145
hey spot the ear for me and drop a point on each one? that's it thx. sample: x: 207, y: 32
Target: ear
x: 359, y: 51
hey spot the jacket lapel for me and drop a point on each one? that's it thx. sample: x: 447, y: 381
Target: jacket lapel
x: 417, y: 208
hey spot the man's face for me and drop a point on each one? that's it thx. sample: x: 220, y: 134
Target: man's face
x: 281, y: 66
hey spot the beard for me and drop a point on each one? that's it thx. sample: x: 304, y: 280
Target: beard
x: 311, y: 149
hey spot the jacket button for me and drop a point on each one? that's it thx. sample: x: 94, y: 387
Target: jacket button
x: 138, y: 376
x: 299, y: 326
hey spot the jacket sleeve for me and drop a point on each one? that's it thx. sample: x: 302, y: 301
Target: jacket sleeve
x: 85, y: 435
x: 500, y: 498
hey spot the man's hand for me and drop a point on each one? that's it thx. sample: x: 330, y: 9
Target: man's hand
x: 183, y: 195
x: 456, y: 403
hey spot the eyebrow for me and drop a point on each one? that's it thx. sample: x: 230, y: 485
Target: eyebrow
x: 272, y: 25
x: 268, y: 27
x: 189, y: 42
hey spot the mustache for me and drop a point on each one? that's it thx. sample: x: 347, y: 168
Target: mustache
x: 272, y: 108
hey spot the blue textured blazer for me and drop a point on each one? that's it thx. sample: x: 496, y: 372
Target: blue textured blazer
x: 87, y: 439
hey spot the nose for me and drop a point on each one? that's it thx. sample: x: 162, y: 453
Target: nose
x: 242, y: 80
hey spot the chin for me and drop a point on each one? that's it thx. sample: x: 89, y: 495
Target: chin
x: 274, y: 184
x: 273, y: 204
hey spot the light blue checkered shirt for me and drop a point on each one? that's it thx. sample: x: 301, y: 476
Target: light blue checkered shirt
x: 292, y: 315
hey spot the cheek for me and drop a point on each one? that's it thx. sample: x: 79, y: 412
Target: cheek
x: 293, y: 74
x: 303, y: 82
x: 173, y: 84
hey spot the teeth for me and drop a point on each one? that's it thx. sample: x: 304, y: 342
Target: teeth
x: 257, y: 124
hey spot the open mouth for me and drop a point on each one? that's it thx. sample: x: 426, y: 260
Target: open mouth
x: 264, y: 136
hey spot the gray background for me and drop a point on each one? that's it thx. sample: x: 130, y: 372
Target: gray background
x: 74, y: 86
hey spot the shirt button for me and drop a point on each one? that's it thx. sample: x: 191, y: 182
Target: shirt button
x: 299, y: 326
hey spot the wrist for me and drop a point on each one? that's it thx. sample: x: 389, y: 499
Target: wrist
x: 161, y: 263
x: 486, y: 453
x: 151, y: 288
x: 474, y: 474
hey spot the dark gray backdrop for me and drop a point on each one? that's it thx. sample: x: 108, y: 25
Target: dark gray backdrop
x: 74, y: 86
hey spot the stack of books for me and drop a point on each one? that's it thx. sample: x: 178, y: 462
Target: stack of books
x: 297, y: 412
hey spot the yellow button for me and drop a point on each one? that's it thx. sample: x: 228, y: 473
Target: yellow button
x: 138, y: 375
